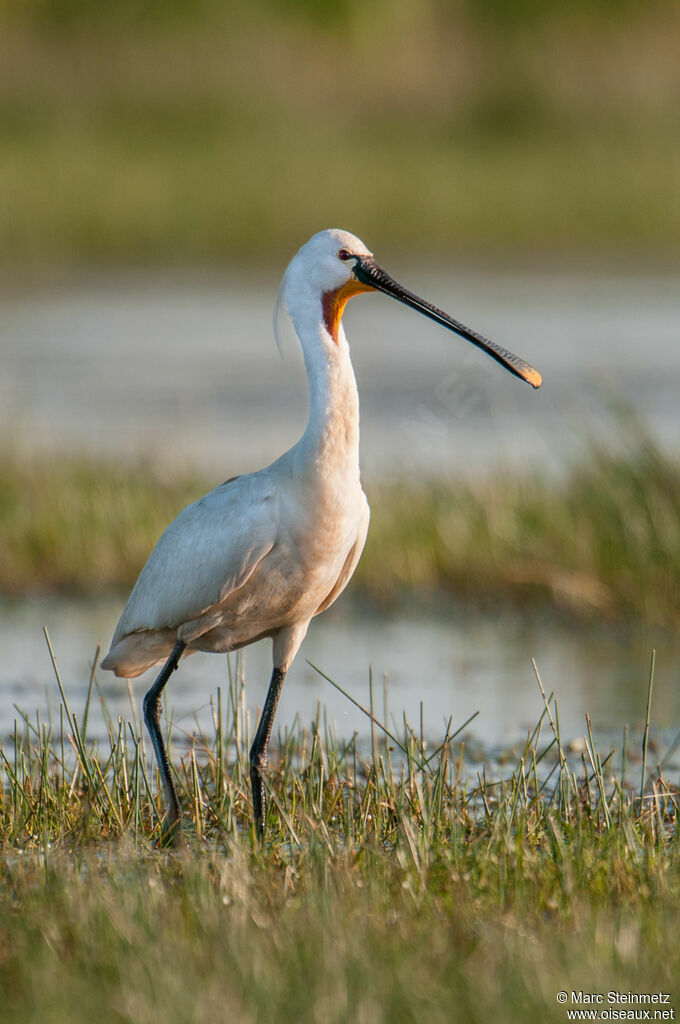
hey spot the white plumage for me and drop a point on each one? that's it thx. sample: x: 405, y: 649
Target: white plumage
x: 264, y: 553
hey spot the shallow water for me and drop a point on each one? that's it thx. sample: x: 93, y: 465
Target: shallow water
x: 453, y: 664
x: 185, y: 369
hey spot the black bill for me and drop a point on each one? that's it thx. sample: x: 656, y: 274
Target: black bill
x: 367, y: 271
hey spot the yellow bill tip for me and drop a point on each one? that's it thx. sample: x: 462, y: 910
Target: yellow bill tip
x: 533, y: 377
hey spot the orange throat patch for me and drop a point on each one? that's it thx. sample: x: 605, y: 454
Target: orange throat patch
x: 334, y: 303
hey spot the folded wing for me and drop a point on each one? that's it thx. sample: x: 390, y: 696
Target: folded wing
x: 207, y: 552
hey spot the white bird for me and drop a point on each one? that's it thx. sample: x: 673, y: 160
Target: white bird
x: 264, y: 553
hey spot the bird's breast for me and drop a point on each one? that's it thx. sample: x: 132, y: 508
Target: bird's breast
x: 316, y: 537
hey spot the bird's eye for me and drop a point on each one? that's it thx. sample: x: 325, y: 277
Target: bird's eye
x: 344, y: 255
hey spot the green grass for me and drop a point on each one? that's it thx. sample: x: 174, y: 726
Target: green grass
x: 392, y: 886
x: 603, y: 543
x: 201, y: 191
x: 190, y: 134
x: 79, y: 526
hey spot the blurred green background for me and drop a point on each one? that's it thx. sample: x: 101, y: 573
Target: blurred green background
x: 204, y: 133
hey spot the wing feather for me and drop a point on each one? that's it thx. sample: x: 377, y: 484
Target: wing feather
x: 208, y: 551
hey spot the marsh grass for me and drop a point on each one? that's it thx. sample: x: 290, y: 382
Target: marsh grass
x: 602, y: 543
x: 395, y: 884
x: 399, y: 881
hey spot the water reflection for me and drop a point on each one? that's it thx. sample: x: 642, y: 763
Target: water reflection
x: 453, y: 664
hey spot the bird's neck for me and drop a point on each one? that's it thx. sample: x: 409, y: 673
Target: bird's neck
x: 330, y: 442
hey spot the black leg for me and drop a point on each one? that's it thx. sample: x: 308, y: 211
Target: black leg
x: 258, y: 751
x: 172, y: 826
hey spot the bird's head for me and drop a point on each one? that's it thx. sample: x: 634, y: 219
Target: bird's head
x: 328, y: 259
x: 334, y: 265
x: 324, y: 269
